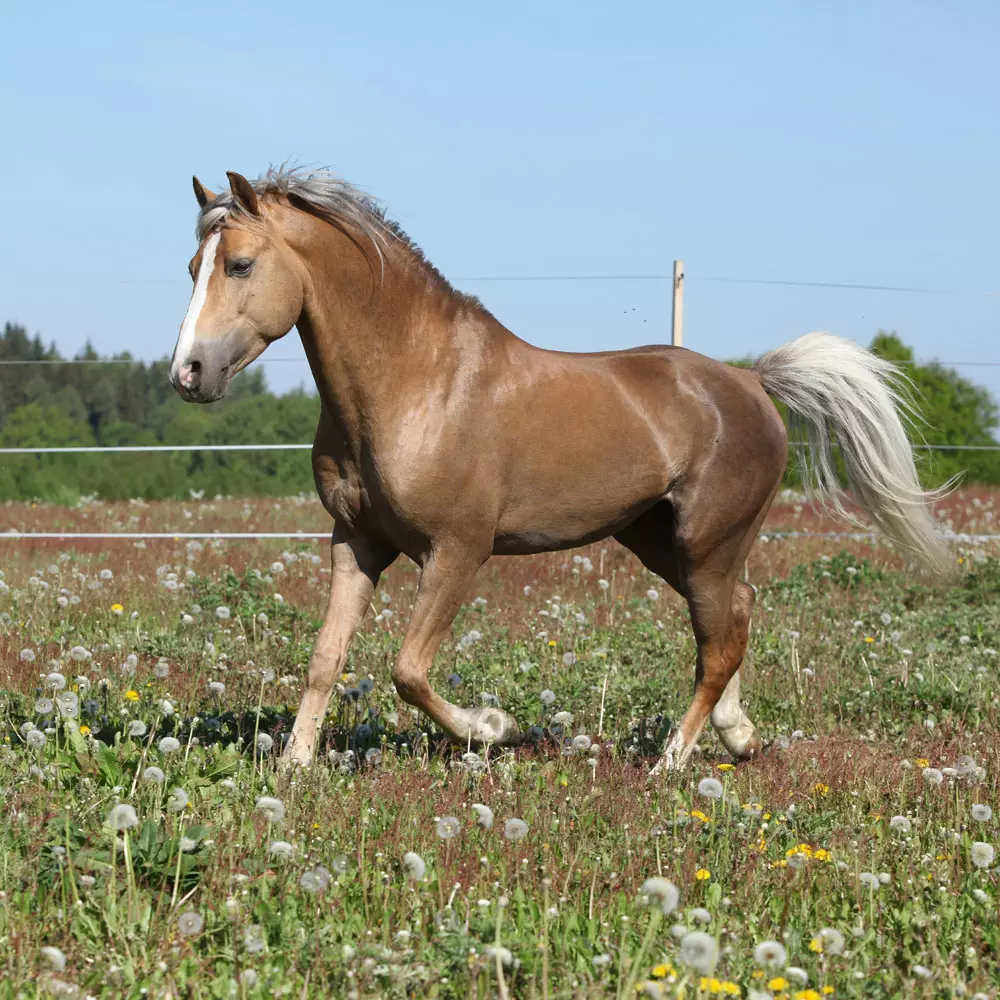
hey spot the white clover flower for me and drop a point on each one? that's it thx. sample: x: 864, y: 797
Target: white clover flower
x: 190, y: 923
x: 661, y: 894
x: 154, y: 774
x: 770, y: 954
x: 700, y: 951
x: 315, y: 879
x: 169, y: 744
x: 281, y: 850
x: 447, y: 827
x: 484, y: 815
x: 414, y: 866
x: 122, y: 817
x: 982, y: 854
x: 515, y: 829
x: 710, y: 788
x: 981, y: 813
x: 273, y: 809
x: 54, y: 957
x: 178, y: 800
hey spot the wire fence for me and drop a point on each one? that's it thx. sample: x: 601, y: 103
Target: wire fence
x: 721, y: 279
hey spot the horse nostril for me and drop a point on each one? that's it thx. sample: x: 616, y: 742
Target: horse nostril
x: 190, y: 374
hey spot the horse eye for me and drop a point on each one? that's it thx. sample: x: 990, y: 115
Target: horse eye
x: 242, y: 267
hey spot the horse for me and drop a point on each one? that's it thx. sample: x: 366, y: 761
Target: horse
x: 445, y: 437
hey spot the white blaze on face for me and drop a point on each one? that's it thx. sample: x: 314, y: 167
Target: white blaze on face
x: 185, y: 342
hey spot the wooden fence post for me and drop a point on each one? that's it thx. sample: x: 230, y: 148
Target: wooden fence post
x: 677, y: 318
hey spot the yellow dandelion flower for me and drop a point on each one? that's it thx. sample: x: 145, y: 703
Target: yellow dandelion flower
x: 778, y: 983
x: 766, y: 817
x: 698, y: 814
x: 807, y: 995
x: 761, y: 843
x: 923, y: 762
x: 661, y: 971
x: 552, y: 642
x: 726, y: 767
x: 84, y: 730
x: 820, y: 789
x: 131, y: 695
x: 821, y: 854
x: 702, y: 874
x: 869, y: 638
x: 117, y: 608
x: 758, y: 974
x: 816, y: 945
x: 827, y: 990
x: 730, y: 989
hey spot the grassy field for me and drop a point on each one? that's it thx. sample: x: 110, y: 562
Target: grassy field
x: 145, y: 689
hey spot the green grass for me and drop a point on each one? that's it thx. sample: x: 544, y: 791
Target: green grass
x: 858, y: 677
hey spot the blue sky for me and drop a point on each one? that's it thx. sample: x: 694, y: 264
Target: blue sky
x: 848, y: 143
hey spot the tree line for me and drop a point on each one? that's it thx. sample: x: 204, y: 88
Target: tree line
x: 132, y: 403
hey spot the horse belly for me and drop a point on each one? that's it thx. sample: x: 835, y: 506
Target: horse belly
x: 569, y: 511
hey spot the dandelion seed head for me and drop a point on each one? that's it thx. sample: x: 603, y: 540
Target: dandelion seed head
x: 699, y: 951
x: 178, y: 800
x: 281, y: 849
x: 169, y: 744
x: 154, y: 774
x: 515, y: 829
x: 447, y: 827
x: 484, y: 815
x: 710, y: 788
x: 982, y: 854
x: 54, y: 957
x: 122, y: 817
x: 770, y: 954
x: 661, y: 894
x: 414, y: 866
x: 981, y: 813
x: 315, y: 879
x: 273, y: 809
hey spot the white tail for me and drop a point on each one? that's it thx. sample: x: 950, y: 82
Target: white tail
x: 835, y: 389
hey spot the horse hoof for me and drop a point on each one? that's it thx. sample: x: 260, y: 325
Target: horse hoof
x: 491, y: 726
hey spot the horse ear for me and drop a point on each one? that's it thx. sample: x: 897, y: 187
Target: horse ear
x: 243, y: 192
x: 204, y: 196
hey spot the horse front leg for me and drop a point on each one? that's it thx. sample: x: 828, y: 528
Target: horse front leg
x: 357, y: 563
x: 445, y: 578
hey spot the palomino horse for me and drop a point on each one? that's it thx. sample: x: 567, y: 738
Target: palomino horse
x: 445, y: 437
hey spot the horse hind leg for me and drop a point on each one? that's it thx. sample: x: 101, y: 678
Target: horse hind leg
x: 720, y: 615
x: 738, y: 734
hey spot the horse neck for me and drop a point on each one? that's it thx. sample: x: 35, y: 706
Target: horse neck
x: 371, y: 331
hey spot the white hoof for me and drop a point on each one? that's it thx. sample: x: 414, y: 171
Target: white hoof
x: 742, y: 741
x: 490, y: 725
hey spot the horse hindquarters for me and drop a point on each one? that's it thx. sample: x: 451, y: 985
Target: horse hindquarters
x: 698, y: 540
